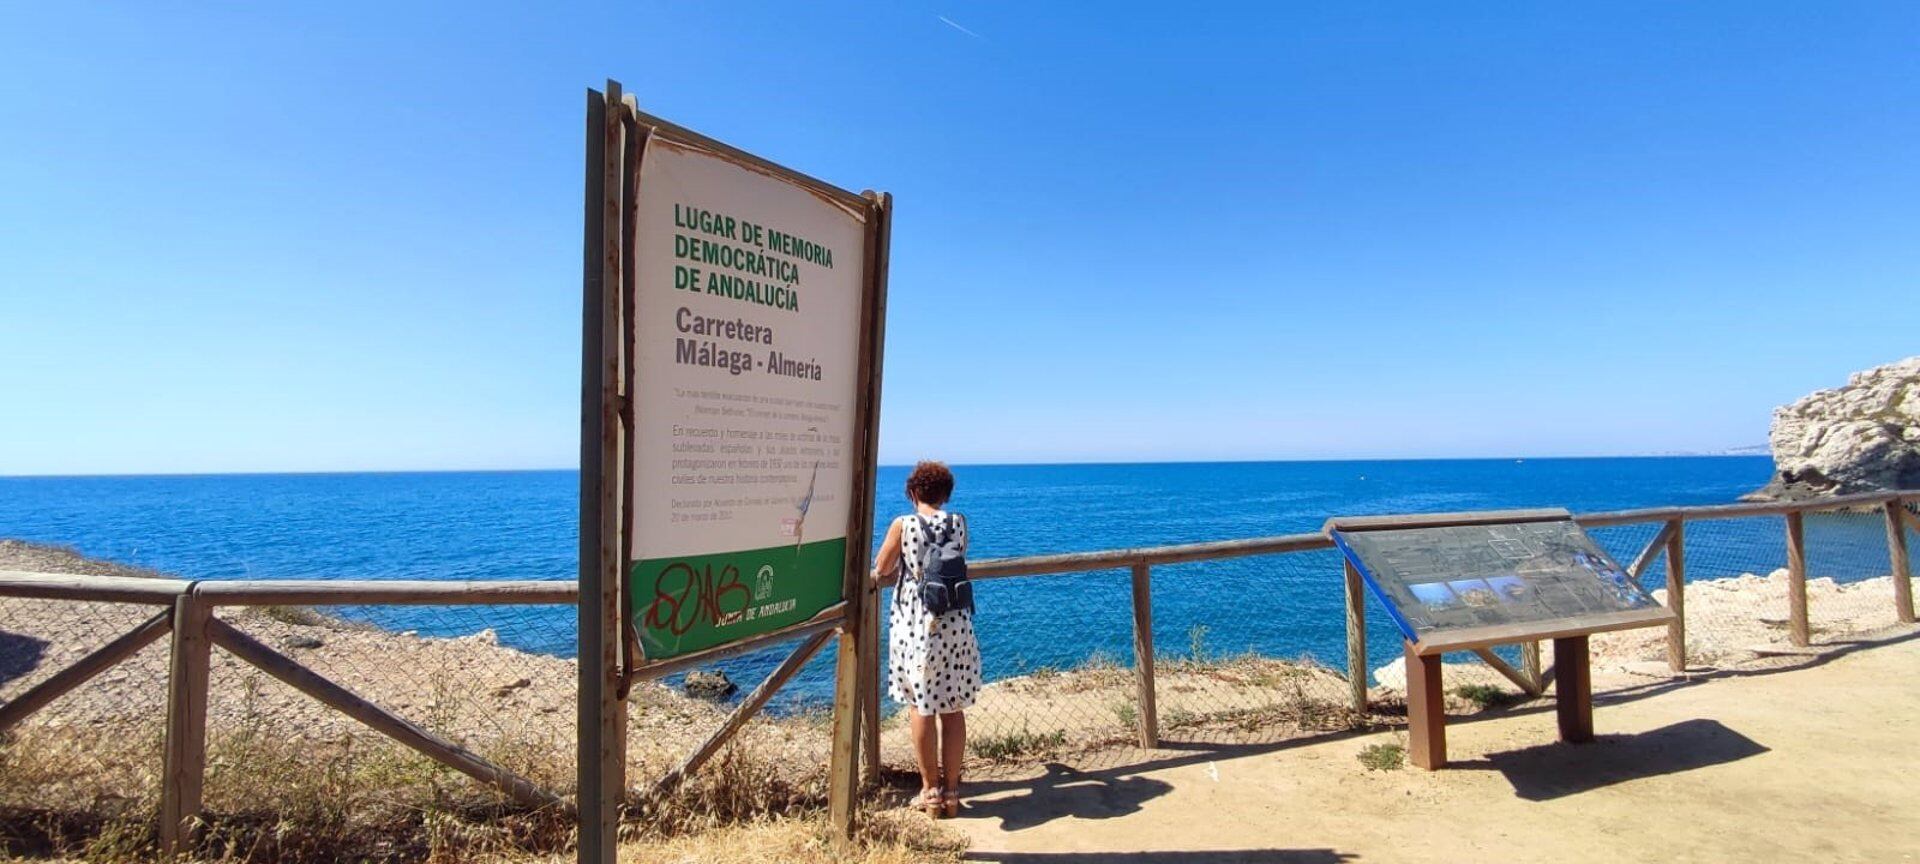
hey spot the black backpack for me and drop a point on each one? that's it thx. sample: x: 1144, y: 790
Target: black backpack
x: 943, y: 569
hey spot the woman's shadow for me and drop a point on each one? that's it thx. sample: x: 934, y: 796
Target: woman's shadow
x: 19, y: 655
x: 1064, y: 791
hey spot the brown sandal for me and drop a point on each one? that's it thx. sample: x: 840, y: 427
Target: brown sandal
x: 950, y: 802
x: 929, y: 802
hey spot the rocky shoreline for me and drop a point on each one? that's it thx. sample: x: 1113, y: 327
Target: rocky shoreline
x: 1862, y: 437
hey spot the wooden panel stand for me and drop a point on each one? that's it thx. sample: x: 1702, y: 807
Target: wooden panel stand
x: 1426, y: 711
x: 1677, y: 596
x: 1356, y: 638
x: 1573, y: 689
x: 1797, y: 579
x: 1530, y: 666
x: 1149, y: 717
x: 1901, y: 566
x: 183, y: 768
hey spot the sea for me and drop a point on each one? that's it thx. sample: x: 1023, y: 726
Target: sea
x: 522, y: 525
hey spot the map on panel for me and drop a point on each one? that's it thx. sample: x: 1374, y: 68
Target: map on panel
x: 1468, y: 576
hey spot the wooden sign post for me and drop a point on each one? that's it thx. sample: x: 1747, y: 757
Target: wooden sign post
x: 1473, y: 581
x: 730, y: 402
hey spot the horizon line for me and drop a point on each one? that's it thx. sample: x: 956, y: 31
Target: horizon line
x: 345, y: 472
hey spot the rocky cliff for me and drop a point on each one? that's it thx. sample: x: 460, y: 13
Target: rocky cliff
x: 1858, y: 438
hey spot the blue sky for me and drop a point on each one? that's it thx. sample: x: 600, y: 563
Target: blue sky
x: 341, y: 236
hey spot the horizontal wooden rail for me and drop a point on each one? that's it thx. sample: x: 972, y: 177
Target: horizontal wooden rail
x: 158, y: 591
x: 386, y: 592
x: 1122, y: 559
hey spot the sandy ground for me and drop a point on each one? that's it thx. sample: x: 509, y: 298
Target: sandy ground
x: 1814, y: 764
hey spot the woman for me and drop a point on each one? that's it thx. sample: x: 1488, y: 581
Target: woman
x: 934, y: 660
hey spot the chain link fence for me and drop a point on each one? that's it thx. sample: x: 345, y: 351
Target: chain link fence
x: 1245, y: 650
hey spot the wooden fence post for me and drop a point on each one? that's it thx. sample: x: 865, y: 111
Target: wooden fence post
x: 870, y: 672
x: 1356, y: 638
x: 1677, y: 596
x: 1797, y: 578
x: 1902, y: 568
x: 601, y: 720
x: 184, y: 764
x: 1149, y: 716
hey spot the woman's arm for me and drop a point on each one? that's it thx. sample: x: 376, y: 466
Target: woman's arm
x: 886, y: 565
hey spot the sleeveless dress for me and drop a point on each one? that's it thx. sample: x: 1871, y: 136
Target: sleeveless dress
x: 934, y: 661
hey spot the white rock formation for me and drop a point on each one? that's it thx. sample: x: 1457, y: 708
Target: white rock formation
x: 1858, y: 438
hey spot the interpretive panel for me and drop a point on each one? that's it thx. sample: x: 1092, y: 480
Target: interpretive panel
x: 748, y: 312
x: 1449, y: 578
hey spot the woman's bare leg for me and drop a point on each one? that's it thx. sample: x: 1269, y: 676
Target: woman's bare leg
x: 925, y: 748
x: 953, y: 746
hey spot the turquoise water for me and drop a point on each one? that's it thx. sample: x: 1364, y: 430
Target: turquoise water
x: 521, y: 525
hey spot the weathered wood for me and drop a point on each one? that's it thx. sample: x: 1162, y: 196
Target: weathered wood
x: 1797, y: 579
x: 601, y: 716
x: 1148, y: 715
x: 1117, y: 559
x: 1426, y: 711
x: 1530, y: 665
x: 870, y: 697
x: 873, y: 368
x: 1677, y: 596
x: 1510, y: 634
x: 1627, y: 517
x: 1654, y: 549
x: 1356, y: 638
x: 184, y: 761
x: 1900, y: 566
x: 828, y: 619
x: 745, y: 711
x: 1525, y: 683
x: 1573, y: 689
x: 1781, y: 508
x: 84, y: 669
x: 375, y: 592
x: 290, y: 672
x: 843, y: 770
x: 102, y: 589
x: 1443, y: 520
x: 676, y: 132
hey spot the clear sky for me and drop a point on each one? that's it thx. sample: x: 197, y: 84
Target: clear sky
x: 336, y: 236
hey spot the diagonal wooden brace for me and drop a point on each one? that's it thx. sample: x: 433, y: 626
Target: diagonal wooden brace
x: 379, y: 719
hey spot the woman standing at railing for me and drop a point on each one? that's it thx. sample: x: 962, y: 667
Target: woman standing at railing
x: 932, y: 654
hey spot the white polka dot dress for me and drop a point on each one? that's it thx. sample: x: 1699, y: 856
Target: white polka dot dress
x: 935, y: 662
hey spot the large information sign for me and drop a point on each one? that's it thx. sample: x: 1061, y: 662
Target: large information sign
x: 748, y: 309
x: 1448, y: 585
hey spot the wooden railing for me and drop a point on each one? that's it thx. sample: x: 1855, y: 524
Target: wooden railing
x: 185, y: 610
x: 1670, y: 542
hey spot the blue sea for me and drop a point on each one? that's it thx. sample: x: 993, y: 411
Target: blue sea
x: 521, y: 525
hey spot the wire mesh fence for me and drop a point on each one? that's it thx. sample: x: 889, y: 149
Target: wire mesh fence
x: 1245, y: 650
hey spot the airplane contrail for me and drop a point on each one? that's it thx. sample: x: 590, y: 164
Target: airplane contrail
x: 949, y: 22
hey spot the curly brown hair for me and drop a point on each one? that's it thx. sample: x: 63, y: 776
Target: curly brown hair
x: 930, y: 483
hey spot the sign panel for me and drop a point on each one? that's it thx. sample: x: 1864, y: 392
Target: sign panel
x: 1443, y: 579
x: 746, y: 338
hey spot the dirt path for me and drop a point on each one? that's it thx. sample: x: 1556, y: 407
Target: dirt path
x: 1816, y: 764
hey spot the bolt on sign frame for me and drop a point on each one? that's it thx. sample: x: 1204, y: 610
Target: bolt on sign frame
x: 1471, y: 581
x: 719, y: 411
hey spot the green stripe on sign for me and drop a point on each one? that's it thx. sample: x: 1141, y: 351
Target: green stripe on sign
x: 691, y: 603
